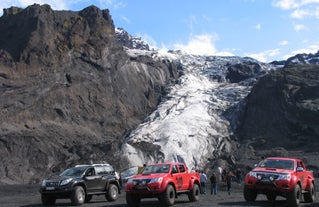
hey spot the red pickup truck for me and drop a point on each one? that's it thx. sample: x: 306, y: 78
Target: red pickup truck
x: 164, y: 181
x: 278, y: 176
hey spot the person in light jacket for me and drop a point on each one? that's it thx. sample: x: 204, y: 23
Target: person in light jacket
x: 203, y: 180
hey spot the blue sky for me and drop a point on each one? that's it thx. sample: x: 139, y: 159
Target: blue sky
x: 263, y: 29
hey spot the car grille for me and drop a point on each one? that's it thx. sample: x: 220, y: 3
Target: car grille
x: 267, y: 176
x: 52, y: 183
x: 141, y: 181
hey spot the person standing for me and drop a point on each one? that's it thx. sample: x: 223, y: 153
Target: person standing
x: 213, y: 181
x: 229, y: 177
x: 203, y: 180
x: 238, y: 175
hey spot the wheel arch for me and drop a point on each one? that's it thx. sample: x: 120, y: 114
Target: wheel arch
x: 114, y: 182
x: 81, y: 185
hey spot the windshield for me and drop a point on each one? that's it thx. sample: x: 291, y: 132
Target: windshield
x: 278, y: 164
x: 73, y: 172
x: 156, y: 169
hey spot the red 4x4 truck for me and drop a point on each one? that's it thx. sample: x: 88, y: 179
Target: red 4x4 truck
x: 278, y: 176
x: 163, y: 181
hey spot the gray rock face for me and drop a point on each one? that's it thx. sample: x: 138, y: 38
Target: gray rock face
x: 283, y: 109
x: 68, y: 91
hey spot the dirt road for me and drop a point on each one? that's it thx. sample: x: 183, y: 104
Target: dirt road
x: 28, y: 196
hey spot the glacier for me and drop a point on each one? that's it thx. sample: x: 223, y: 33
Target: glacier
x: 189, y: 124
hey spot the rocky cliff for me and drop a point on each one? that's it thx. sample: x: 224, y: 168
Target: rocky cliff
x: 68, y: 90
x: 283, y: 109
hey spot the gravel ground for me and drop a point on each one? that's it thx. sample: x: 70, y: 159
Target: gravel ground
x: 28, y: 196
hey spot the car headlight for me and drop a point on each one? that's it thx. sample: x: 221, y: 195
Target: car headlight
x: 129, y: 180
x: 284, y: 177
x: 156, y: 180
x: 43, y: 184
x: 64, y: 182
x: 253, y: 174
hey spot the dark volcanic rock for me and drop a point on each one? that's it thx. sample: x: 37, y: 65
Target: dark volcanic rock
x: 68, y: 91
x: 243, y: 71
x: 283, y: 110
x: 129, y: 41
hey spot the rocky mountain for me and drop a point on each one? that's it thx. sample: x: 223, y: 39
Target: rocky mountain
x: 73, y: 90
x: 299, y: 59
x: 283, y: 109
x: 68, y: 90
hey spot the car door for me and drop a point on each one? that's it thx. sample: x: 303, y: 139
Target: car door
x: 184, y: 176
x: 302, y: 174
x: 101, y: 179
x: 91, y: 180
x: 177, y: 177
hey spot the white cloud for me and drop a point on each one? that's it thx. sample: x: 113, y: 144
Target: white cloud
x: 293, y: 4
x: 265, y: 55
x: 258, y: 26
x: 286, y: 4
x: 300, y: 14
x: 147, y: 38
x: 283, y: 43
x: 310, y: 49
x: 116, y: 4
x: 299, y: 27
x: 301, y: 8
x: 201, y: 45
x: 127, y: 20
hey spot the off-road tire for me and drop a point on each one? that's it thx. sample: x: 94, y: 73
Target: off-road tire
x: 271, y: 196
x: 112, y: 193
x: 249, y: 194
x: 88, y: 198
x: 311, y: 195
x: 294, y: 197
x: 48, y: 200
x: 78, y: 196
x: 193, y: 194
x: 167, y: 198
x: 132, y: 200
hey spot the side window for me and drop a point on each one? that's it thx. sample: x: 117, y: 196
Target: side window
x: 90, y: 172
x: 174, y: 169
x: 181, y: 168
x: 109, y: 170
x: 300, y: 164
x: 100, y: 170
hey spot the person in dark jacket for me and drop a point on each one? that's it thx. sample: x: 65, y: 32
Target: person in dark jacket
x: 213, y: 181
x: 229, y: 178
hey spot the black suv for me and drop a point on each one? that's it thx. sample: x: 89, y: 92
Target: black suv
x: 80, y: 183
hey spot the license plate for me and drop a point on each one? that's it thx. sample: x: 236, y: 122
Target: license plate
x: 49, y: 188
x: 266, y: 180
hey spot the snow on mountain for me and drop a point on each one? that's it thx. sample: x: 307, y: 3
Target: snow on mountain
x: 129, y: 41
x: 189, y: 125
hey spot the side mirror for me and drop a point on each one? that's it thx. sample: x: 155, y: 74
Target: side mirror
x: 299, y: 169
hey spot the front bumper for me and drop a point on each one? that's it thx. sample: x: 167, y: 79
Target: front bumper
x: 59, y: 192
x: 261, y: 186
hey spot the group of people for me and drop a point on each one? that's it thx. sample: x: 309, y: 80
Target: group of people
x: 226, y: 177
